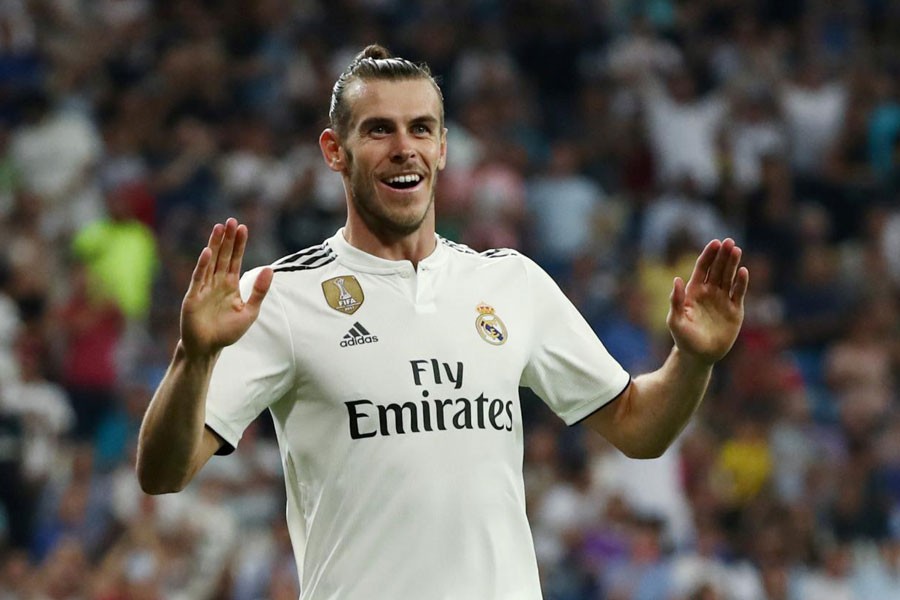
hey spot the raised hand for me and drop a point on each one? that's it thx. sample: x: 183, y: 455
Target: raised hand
x: 213, y: 315
x: 705, y: 315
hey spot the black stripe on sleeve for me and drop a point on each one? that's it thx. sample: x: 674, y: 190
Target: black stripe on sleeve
x: 614, y: 398
x: 224, y: 447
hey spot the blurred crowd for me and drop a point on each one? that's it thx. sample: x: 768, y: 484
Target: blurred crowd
x: 607, y: 139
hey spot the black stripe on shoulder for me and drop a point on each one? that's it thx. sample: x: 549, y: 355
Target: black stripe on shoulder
x: 309, y: 258
x: 312, y: 250
x: 455, y: 246
x: 310, y: 263
x: 499, y: 253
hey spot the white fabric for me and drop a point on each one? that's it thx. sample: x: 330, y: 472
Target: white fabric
x: 46, y: 414
x: 674, y: 212
x: 816, y: 586
x: 740, y: 581
x: 750, y: 144
x: 563, y: 510
x: 438, y: 511
x: 55, y: 157
x: 684, y: 137
x: 636, y: 53
x: 245, y: 172
x: 814, y: 117
x: 565, y: 210
x: 654, y: 487
x: 10, y: 324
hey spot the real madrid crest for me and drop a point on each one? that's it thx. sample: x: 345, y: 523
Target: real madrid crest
x: 489, y: 326
x: 343, y: 293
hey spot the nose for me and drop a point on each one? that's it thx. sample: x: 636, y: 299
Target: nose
x: 403, y: 149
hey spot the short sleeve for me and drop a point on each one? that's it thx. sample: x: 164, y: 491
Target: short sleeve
x: 568, y: 367
x: 254, y: 372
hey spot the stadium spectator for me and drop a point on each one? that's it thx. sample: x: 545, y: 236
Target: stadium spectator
x: 565, y: 207
x: 120, y: 256
x: 56, y: 151
x: 90, y: 327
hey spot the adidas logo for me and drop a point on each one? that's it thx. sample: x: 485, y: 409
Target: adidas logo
x: 357, y: 336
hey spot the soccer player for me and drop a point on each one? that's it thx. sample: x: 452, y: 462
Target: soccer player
x: 390, y: 359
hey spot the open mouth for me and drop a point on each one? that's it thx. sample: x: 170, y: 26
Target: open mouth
x: 403, y: 182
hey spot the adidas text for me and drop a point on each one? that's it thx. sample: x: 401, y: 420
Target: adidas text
x: 357, y: 336
x: 358, y: 341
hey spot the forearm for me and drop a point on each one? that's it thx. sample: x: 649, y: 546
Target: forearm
x: 170, y: 443
x: 704, y: 319
x: 655, y: 408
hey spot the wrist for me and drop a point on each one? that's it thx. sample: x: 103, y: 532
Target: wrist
x: 193, y: 357
x: 692, y: 360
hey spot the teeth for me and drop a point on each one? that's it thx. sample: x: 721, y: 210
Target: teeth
x: 404, y: 179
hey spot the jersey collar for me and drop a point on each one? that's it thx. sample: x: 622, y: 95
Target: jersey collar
x: 369, y: 263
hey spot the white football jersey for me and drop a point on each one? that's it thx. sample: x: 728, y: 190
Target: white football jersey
x: 394, y: 393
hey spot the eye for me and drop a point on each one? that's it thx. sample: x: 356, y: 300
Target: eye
x: 420, y: 129
x: 378, y: 130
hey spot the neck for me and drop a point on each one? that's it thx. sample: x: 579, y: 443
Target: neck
x: 412, y: 247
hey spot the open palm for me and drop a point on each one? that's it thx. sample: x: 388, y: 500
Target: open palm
x: 705, y: 315
x: 213, y: 314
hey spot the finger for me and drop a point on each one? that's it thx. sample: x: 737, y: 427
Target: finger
x: 223, y: 260
x: 214, y: 244
x: 741, y: 284
x: 731, y: 267
x: 678, y: 294
x: 198, y: 277
x: 704, y: 262
x: 237, y: 255
x: 717, y: 269
x: 260, y: 288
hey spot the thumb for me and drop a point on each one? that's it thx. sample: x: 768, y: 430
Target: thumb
x: 260, y: 288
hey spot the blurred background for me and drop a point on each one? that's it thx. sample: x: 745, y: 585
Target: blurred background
x: 607, y: 139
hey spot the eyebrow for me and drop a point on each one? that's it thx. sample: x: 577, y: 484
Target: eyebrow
x: 375, y: 121
x: 425, y: 120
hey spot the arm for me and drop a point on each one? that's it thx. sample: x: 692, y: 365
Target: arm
x: 705, y: 317
x: 174, y: 443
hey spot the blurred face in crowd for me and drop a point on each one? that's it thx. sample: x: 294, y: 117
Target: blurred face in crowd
x: 391, y: 153
x: 682, y: 86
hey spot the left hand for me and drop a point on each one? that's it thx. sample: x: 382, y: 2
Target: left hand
x: 705, y: 315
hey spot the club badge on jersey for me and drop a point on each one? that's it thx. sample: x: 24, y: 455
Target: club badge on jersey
x: 343, y: 293
x: 489, y: 326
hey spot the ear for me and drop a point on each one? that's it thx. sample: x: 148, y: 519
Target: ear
x: 442, y: 162
x: 330, y: 145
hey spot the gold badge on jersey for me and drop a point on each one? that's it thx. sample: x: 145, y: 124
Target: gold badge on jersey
x: 343, y: 293
x: 489, y: 326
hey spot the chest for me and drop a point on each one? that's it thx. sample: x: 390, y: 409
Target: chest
x: 403, y: 361
x: 413, y: 335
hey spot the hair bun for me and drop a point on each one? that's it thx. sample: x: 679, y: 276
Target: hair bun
x: 374, y: 52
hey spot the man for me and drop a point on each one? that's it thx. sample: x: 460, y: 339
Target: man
x: 391, y: 358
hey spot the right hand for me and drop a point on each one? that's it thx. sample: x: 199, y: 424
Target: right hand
x: 213, y: 315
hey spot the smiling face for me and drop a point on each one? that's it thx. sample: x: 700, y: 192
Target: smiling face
x: 390, y: 154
